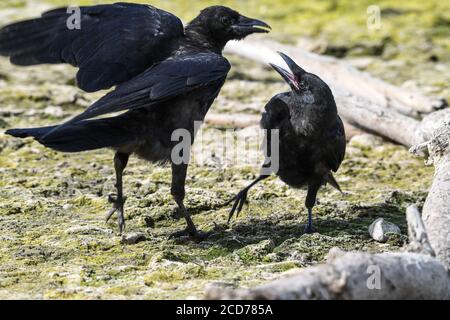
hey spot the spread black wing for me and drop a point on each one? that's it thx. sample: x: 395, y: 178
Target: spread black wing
x: 335, y: 149
x: 169, y: 79
x: 115, y: 42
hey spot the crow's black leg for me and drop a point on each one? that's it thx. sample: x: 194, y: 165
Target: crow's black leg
x: 241, y: 197
x: 309, y: 203
x: 120, y: 162
x: 178, y: 183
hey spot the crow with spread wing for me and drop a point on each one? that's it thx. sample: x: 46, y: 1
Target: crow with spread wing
x: 166, y: 77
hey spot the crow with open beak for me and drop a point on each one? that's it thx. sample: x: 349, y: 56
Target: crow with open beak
x: 166, y: 77
x: 311, y: 135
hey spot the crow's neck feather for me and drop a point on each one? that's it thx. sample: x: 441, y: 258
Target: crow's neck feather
x: 199, y: 35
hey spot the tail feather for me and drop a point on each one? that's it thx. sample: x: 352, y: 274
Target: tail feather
x: 33, y: 132
x: 82, y: 136
x: 332, y: 181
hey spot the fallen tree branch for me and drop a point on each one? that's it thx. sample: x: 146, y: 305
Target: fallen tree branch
x: 418, y: 238
x: 436, y: 211
x: 373, y: 118
x: 341, y: 76
x: 430, y: 123
x: 357, y: 275
x: 402, y: 276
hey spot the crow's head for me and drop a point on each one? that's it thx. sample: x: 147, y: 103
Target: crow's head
x: 223, y: 24
x: 311, y: 107
x: 307, y: 87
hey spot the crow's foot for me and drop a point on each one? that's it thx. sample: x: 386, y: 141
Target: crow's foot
x: 309, y: 229
x: 118, y: 205
x: 239, y: 201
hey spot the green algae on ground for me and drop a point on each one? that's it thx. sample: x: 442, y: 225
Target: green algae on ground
x: 57, y: 246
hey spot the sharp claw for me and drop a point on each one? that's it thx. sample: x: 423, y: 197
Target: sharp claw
x: 241, y: 204
x: 309, y: 229
x: 110, y: 213
x: 230, y: 215
x: 240, y: 199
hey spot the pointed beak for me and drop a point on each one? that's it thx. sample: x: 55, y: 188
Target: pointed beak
x: 291, y: 64
x: 289, y: 76
x: 247, y: 25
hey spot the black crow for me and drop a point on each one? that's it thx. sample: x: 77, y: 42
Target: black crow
x: 167, y: 77
x: 311, y: 136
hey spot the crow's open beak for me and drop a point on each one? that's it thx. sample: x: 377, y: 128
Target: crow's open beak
x: 287, y: 76
x: 248, y: 26
x: 291, y: 77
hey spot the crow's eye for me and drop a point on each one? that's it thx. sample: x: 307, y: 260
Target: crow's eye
x: 226, y: 21
x: 302, y: 85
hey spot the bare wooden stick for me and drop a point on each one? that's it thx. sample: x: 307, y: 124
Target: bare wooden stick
x: 418, y: 238
x: 340, y: 76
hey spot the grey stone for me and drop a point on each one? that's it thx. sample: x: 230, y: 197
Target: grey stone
x: 380, y: 228
x: 133, y: 237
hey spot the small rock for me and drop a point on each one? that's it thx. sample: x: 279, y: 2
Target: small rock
x: 380, y: 228
x: 67, y: 206
x: 133, y: 237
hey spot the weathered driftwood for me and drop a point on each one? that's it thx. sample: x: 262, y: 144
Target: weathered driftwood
x: 418, y: 238
x: 357, y: 275
x: 340, y: 76
x: 353, y: 275
x: 374, y: 118
x: 436, y: 211
x: 428, y: 127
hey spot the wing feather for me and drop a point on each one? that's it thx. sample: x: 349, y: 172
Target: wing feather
x: 169, y: 79
x: 115, y: 43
